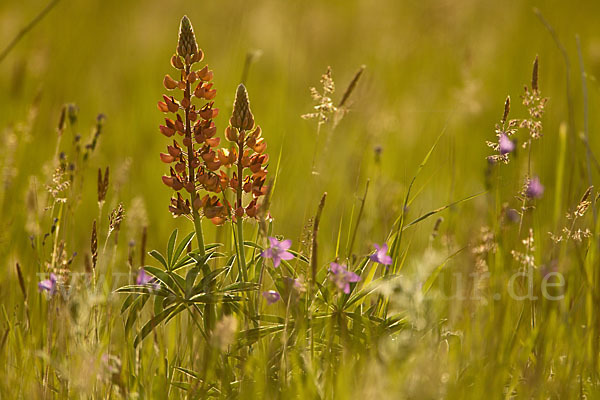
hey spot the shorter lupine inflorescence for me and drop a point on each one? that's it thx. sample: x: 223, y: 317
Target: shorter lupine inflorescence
x: 247, y: 157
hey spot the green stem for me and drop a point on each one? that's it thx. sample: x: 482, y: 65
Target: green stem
x: 199, y: 234
x: 242, y: 255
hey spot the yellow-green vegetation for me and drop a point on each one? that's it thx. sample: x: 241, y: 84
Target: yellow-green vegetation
x: 283, y: 199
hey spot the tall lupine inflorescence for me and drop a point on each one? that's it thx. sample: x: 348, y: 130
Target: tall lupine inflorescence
x: 194, y: 164
x: 247, y: 157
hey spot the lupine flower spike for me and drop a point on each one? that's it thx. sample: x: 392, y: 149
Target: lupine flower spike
x: 278, y: 251
x: 48, y: 285
x: 246, y: 156
x: 194, y: 163
x: 380, y: 256
x: 342, y: 277
x: 271, y: 296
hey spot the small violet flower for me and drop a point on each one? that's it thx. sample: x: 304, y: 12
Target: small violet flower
x: 380, y: 256
x: 271, y: 296
x: 505, y: 145
x: 535, y: 189
x: 143, y: 278
x: 278, y: 251
x: 342, y: 277
x: 48, y: 285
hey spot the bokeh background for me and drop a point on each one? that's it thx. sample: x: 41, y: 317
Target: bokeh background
x: 431, y: 66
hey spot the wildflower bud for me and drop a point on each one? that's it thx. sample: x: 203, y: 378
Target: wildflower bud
x: 205, y: 74
x: 191, y: 78
x: 172, y: 105
x: 185, y: 102
x: 168, y: 180
x: 197, y: 203
x: 239, y: 212
x: 241, y: 117
x: 169, y: 83
x: 193, y: 116
x: 231, y: 134
x: 260, y: 146
x: 198, y: 56
x: 166, y: 158
x: 168, y: 132
x: 176, y: 62
x: 210, y: 130
x: 251, y: 209
x: 177, y: 184
x: 213, y: 142
x: 175, y: 151
x: 187, y: 46
x: 200, y: 91
x: 162, y: 106
x: 179, y: 125
x: 180, y: 167
x: 189, y: 186
x: 187, y: 142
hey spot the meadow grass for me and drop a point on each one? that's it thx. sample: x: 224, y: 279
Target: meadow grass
x: 361, y: 211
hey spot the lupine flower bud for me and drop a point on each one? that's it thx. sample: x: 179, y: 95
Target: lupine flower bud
x: 186, y: 46
x: 242, y: 117
x: 169, y: 82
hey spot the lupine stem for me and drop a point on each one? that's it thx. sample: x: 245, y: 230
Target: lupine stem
x: 239, y: 223
x: 192, y: 173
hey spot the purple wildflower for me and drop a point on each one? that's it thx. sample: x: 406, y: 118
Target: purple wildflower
x: 271, y: 296
x: 380, y: 256
x: 505, y: 145
x: 342, y: 277
x: 143, y: 278
x: 535, y: 189
x: 48, y: 285
x: 278, y: 251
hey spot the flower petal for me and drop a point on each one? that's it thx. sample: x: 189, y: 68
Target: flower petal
x: 276, y: 261
x: 285, y: 244
x: 286, y: 255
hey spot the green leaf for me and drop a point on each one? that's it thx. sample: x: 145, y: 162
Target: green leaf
x: 134, y: 312
x: 164, y: 278
x: 190, y: 279
x: 159, y: 257
x: 250, y: 336
x: 181, y: 247
x: 129, y: 300
x: 434, y: 274
x: 205, y: 298
x: 249, y: 243
x: 153, y: 323
x: 437, y: 210
x: 171, y: 247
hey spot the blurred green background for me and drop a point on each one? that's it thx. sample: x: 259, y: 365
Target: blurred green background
x: 431, y: 66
